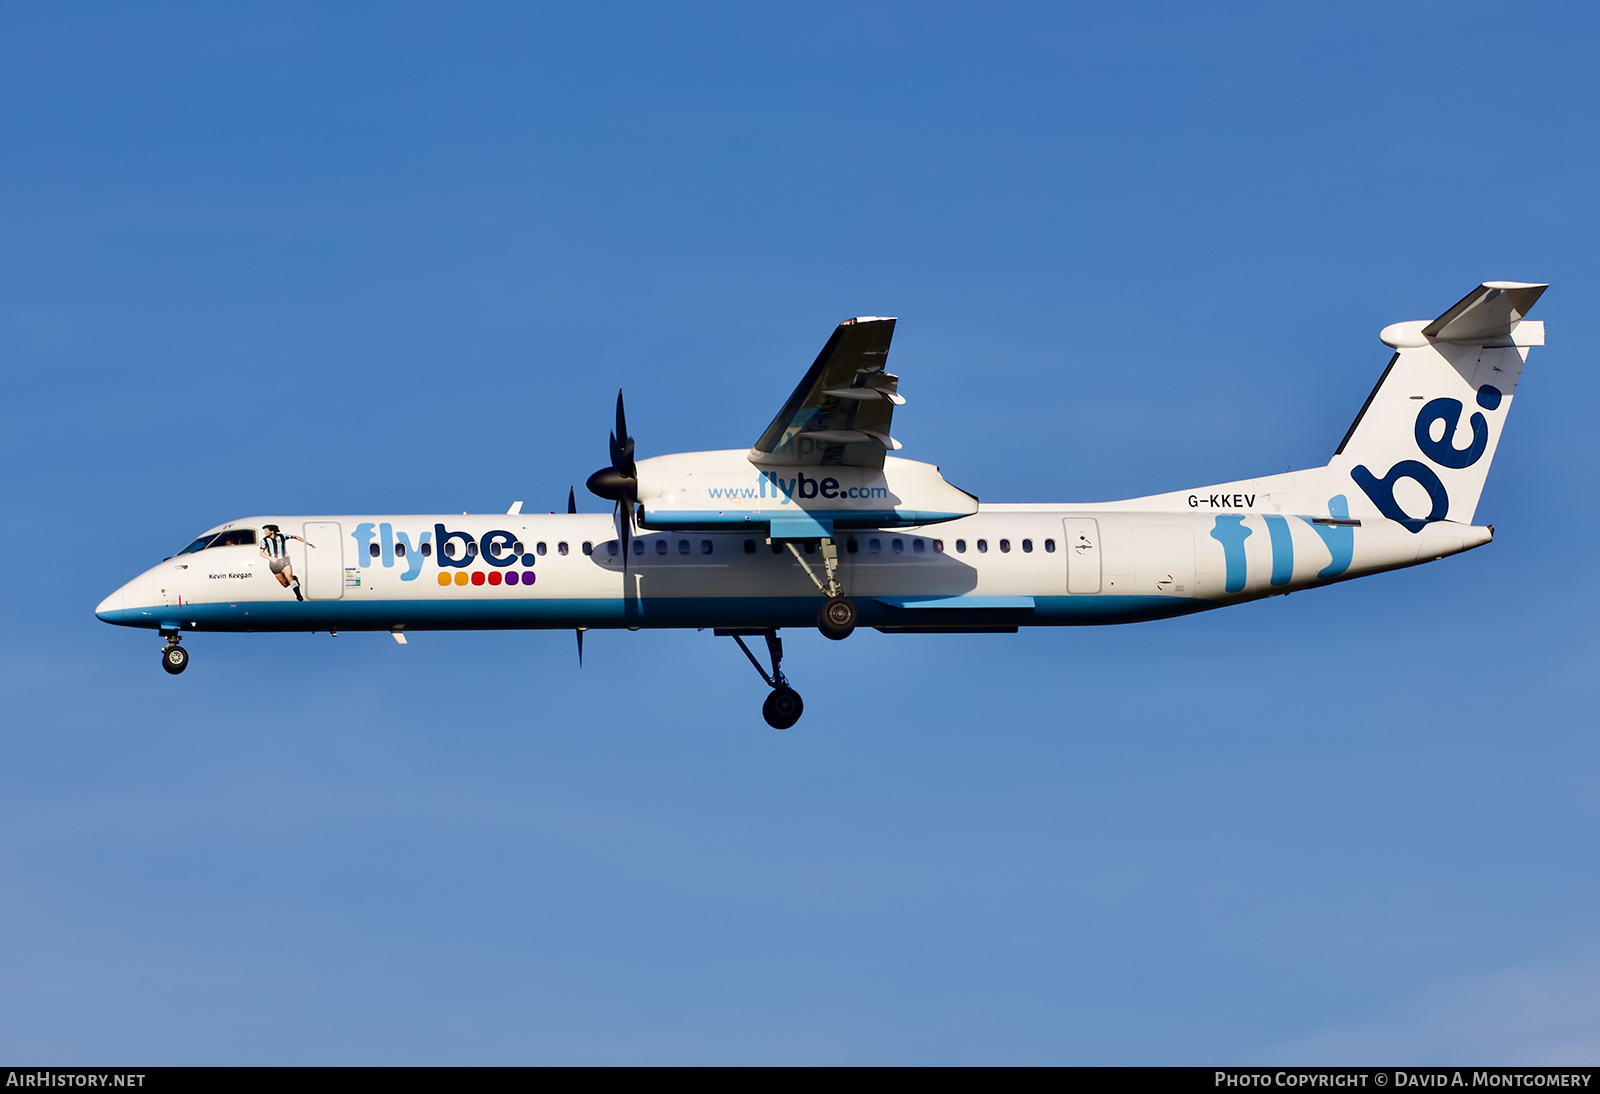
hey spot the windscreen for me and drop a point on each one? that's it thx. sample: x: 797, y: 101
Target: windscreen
x: 199, y: 545
x: 233, y: 537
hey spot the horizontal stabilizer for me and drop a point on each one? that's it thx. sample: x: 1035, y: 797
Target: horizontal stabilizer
x: 1490, y: 311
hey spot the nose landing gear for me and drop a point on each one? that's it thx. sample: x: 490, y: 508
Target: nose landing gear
x: 174, y: 658
x: 783, y: 706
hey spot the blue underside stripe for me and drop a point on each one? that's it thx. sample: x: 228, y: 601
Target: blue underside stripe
x: 965, y: 603
x: 656, y: 612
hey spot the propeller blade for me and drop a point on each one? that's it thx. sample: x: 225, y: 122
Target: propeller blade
x: 572, y: 507
x: 620, y: 481
x: 622, y: 446
x: 579, y: 633
x: 624, y: 541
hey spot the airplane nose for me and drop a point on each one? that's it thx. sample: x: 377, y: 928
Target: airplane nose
x: 112, y: 603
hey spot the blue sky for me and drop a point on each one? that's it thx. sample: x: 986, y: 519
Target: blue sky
x: 399, y: 258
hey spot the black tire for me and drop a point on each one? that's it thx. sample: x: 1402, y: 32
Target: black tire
x: 837, y: 619
x: 174, y: 659
x: 782, y: 708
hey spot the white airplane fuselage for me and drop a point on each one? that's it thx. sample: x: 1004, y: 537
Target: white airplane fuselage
x: 1007, y: 566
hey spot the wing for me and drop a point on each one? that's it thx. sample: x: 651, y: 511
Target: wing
x: 840, y: 412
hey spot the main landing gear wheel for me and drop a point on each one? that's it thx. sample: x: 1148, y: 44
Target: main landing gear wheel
x: 837, y: 618
x: 782, y: 708
x: 174, y: 659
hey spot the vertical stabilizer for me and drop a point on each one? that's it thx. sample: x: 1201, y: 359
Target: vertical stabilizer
x: 1420, y: 449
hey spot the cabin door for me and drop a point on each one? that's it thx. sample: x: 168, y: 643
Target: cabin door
x: 1082, y: 545
x: 324, y: 573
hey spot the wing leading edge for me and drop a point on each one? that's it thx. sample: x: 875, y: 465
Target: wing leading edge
x: 840, y: 412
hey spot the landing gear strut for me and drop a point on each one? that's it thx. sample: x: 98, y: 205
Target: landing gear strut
x: 174, y: 658
x: 783, y: 706
x: 838, y: 616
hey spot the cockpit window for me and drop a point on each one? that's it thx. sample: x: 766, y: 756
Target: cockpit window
x: 234, y: 537
x: 199, y: 545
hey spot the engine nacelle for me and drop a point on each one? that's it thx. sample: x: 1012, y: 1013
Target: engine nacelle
x: 720, y: 491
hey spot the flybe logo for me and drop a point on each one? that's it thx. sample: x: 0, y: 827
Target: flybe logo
x: 1337, y: 534
x: 383, y: 543
x: 1441, y: 450
x: 770, y: 484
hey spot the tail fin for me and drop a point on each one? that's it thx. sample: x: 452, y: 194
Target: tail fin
x: 1420, y: 449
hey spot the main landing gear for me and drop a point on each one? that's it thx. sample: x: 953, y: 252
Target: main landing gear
x: 174, y: 658
x: 783, y: 706
x: 838, y: 616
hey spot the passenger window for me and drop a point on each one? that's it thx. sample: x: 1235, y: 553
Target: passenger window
x: 777, y: 548
x: 1027, y: 546
x: 811, y: 548
x: 983, y: 546
x: 427, y: 550
x: 706, y: 547
x: 611, y: 548
x: 874, y: 545
x: 917, y: 546
x: 899, y: 546
x: 638, y: 546
x: 399, y: 550
x: 683, y: 546
x: 561, y: 548
x: 661, y: 546
x: 961, y: 546
x: 938, y: 546
x: 852, y: 545
x: 588, y: 548
x: 538, y: 548
x: 450, y: 548
x: 1049, y: 546
x: 472, y: 550
x: 749, y: 546
x: 516, y: 548
x: 1005, y: 546
x: 374, y: 550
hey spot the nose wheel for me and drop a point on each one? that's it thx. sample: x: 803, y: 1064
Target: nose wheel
x: 782, y: 708
x: 783, y: 705
x: 174, y: 658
